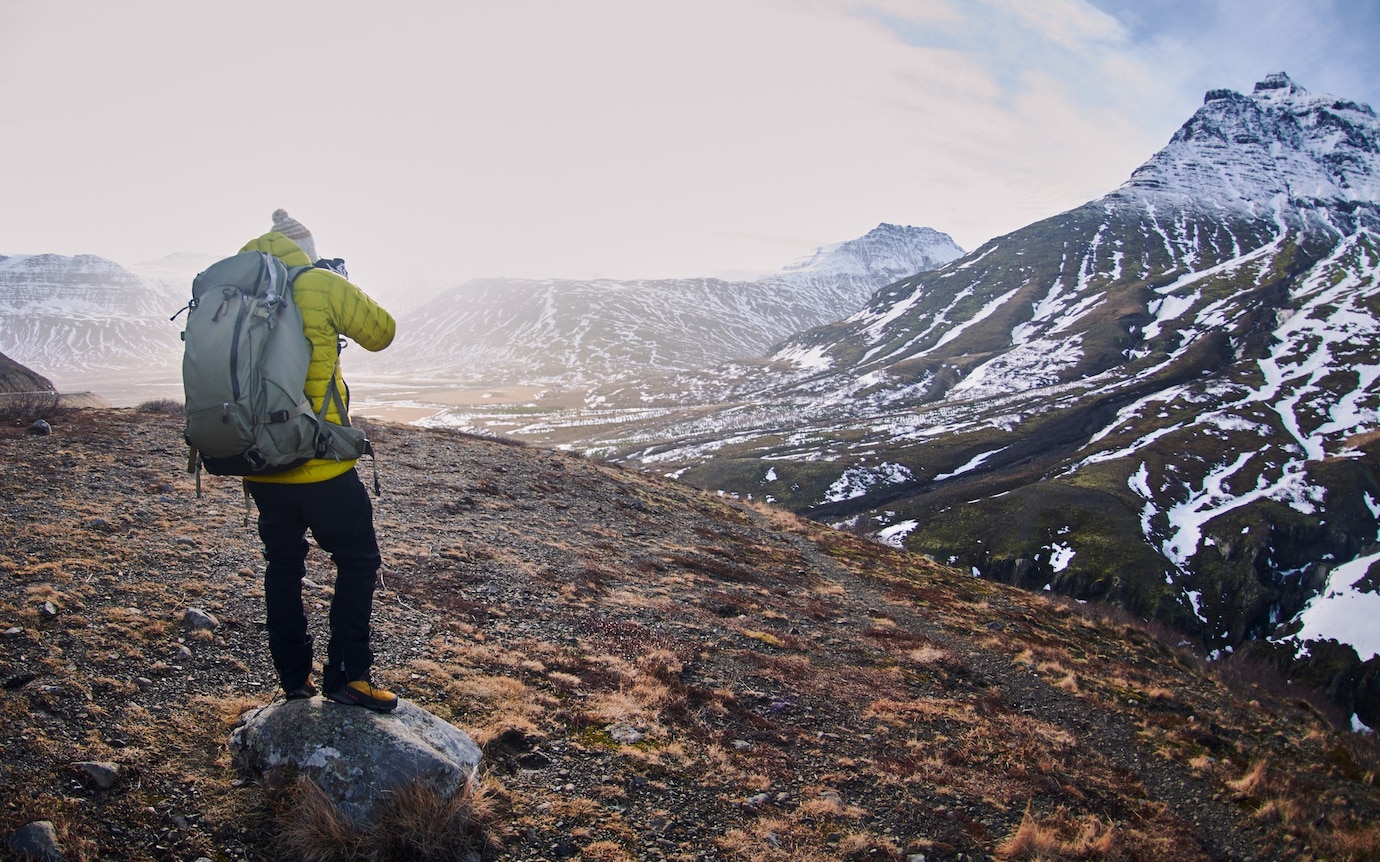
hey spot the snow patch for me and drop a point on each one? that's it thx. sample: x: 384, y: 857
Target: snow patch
x: 1140, y: 482
x: 1343, y: 613
x: 895, y: 535
x: 1169, y: 308
x: 1032, y: 365
x: 970, y: 466
x: 857, y: 481
x: 807, y: 358
x: 1060, y: 556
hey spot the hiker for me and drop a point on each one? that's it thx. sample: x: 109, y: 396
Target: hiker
x: 326, y: 495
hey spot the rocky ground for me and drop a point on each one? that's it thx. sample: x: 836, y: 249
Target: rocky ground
x: 652, y: 671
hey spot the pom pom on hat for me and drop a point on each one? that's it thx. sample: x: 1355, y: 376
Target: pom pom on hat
x: 295, y: 231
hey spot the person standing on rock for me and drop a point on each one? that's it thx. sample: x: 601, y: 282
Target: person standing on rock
x: 324, y: 496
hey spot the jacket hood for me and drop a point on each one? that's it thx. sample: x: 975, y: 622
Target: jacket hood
x: 286, y: 250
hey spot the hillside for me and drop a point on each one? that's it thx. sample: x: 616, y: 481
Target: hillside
x: 17, y: 379
x: 654, y: 672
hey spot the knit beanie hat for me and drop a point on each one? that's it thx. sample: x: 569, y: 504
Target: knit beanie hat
x: 295, y: 231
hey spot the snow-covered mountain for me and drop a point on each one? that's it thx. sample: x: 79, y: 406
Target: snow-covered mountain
x: 579, y: 332
x: 72, y: 316
x: 884, y: 254
x: 1166, y: 398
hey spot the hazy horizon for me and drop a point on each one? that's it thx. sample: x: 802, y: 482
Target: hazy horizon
x: 438, y: 142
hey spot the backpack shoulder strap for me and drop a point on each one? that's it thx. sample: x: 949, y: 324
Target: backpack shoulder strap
x: 294, y: 271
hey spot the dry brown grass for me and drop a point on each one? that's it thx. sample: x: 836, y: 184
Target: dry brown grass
x: 605, y: 851
x: 415, y: 825
x: 1062, y: 836
x: 1252, y: 782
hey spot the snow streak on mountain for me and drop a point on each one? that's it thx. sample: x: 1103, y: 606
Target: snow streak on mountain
x: 1167, y: 397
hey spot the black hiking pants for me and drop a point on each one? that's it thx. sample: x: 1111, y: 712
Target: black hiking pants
x: 341, y: 519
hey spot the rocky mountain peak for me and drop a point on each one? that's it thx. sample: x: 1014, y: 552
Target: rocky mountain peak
x: 1281, y: 145
x: 1278, y: 83
x: 885, y: 253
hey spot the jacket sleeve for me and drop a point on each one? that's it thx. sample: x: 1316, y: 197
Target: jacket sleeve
x: 359, y: 318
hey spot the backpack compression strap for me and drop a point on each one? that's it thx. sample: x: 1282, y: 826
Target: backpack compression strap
x: 303, y: 408
x: 333, y: 395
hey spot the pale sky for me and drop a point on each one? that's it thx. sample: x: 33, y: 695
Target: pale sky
x: 432, y: 142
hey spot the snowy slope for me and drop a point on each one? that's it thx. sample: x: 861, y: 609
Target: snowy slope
x: 65, y: 316
x: 583, y: 332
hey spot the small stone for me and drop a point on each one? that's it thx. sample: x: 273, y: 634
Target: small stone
x: 14, y: 631
x: 534, y: 760
x: 37, y: 840
x: 40, y: 428
x: 104, y: 773
x: 48, y: 609
x: 625, y: 734
x: 658, y: 825
x: 144, y: 683
x: 199, y: 620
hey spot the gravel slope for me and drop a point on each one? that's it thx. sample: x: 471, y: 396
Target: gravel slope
x: 654, y: 672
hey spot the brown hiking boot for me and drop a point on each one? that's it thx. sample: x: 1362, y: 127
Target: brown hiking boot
x: 302, y: 692
x: 363, y: 693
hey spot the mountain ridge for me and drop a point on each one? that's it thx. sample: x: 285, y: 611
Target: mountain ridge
x: 1147, y: 399
x: 581, y: 333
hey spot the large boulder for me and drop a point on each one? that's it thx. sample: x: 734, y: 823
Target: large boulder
x: 356, y: 756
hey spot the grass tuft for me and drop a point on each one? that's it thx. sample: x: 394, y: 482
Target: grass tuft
x: 1061, y: 836
x: 415, y: 825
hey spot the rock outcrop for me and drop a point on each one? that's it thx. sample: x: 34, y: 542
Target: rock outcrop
x: 357, y: 757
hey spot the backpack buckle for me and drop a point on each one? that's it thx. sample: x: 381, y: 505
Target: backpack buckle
x: 279, y: 416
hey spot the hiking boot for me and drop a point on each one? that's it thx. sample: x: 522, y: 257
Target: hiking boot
x: 303, y: 692
x: 363, y: 693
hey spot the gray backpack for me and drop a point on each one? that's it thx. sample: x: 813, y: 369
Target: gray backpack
x: 244, y: 369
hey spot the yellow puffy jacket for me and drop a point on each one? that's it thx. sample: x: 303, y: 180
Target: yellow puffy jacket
x: 331, y: 306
